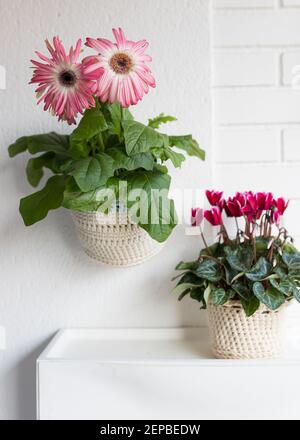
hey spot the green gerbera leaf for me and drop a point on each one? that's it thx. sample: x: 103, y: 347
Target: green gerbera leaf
x: 18, y: 147
x: 35, y: 207
x: 133, y: 162
x: 158, y: 215
x: 176, y: 158
x: 39, y: 143
x: 188, y: 144
x: 139, y: 138
x: 92, y: 123
x: 93, y: 172
x: 161, y: 119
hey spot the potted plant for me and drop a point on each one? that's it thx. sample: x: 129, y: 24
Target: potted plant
x: 110, y: 168
x: 246, y: 281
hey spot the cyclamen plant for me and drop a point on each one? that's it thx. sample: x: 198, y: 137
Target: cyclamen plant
x: 259, y: 265
x: 108, y: 146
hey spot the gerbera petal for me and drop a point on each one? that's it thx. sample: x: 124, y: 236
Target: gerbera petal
x: 125, y: 76
x: 140, y: 46
x: 120, y: 38
x: 101, y: 45
x: 146, y: 77
x: 105, y: 82
x: 65, y: 87
x: 77, y: 50
x: 113, y: 90
x: 136, y: 84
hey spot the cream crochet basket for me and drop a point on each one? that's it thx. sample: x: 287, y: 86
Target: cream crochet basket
x: 234, y: 336
x: 113, y: 239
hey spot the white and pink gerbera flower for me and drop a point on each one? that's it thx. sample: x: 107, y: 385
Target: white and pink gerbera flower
x: 65, y: 86
x: 126, y: 77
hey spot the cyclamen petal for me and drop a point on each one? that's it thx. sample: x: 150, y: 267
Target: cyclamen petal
x: 197, y: 216
x: 213, y: 216
x: 214, y: 197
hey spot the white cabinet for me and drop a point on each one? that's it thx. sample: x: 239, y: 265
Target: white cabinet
x: 159, y: 374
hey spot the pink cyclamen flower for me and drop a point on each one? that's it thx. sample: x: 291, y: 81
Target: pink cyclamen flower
x: 233, y: 207
x: 241, y: 198
x: 213, y: 216
x: 275, y: 217
x: 214, y: 197
x: 197, y: 215
x: 126, y: 76
x: 251, y: 209
x: 281, y: 205
x: 264, y: 200
x: 65, y: 86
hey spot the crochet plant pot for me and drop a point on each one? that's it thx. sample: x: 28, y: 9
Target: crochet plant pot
x: 112, y: 239
x: 235, y: 336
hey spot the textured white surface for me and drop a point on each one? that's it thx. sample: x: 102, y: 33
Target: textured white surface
x: 2, y: 338
x: 46, y: 281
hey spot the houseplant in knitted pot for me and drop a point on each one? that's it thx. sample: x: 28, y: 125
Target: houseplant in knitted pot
x: 245, y: 281
x: 110, y: 171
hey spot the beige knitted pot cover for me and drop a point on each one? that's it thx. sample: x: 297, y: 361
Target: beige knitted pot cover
x: 234, y: 336
x: 113, y: 239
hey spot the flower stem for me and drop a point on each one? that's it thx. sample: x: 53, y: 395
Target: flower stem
x: 204, y: 241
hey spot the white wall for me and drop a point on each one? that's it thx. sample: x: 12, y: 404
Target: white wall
x: 46, y: 282
x: 256, y: 45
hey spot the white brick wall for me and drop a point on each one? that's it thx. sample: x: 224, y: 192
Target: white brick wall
x: 253, y: 28
x: 245, y: 144
x: 291, y: 3
x: 257, y: 98
x: 243, y: 73
x: 290, y: 68
x: 220, y: 4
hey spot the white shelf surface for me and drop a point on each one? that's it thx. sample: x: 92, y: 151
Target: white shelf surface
x: 157, y: 374
x: 172, y: 345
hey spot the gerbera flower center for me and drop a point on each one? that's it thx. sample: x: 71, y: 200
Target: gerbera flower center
x: 67, y: 78
x: 121, y: 63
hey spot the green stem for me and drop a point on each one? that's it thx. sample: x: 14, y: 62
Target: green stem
x: 204, y: 241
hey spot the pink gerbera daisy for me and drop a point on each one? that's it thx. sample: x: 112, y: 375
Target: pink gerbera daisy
x: 65, y: 86
x: 126, y: 77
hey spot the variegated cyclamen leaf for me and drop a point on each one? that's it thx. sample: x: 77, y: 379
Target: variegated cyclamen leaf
x: 251, y: 305
x: 240, y: 258
x: 271, y: 297
x: 242, y: 290
x: 287, y: 287
x: 180, y: 288
x: 219, y: 296
x: 209, y: 270
x: 230, y: 274
x: 187, y: 266
x: 260, y: 270
x: 197, y: 293
x: 292, y: 260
